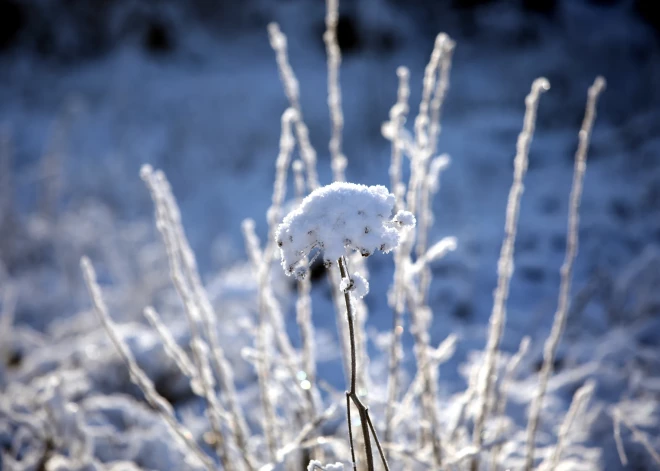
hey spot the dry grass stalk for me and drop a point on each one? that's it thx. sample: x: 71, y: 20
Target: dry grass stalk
x: 138, y: 376
x: 561, y: 314
x: 505, y: 264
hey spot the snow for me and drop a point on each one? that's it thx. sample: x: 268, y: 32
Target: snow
x: 338, y: 218
x: 209, y: 116
x: 315, y: 465
x: 357, y: 285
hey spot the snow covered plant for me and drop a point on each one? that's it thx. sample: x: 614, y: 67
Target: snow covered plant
x: 317, y: 466
x: 337, y: 219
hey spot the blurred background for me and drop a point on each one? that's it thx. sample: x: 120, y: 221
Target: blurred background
x: 92, y: 89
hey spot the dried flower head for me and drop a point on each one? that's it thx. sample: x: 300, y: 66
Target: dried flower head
x: 338, y: 218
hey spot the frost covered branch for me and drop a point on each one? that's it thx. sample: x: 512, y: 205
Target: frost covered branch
x: 505, y: 263
x: 201, y: 319
x: 278, y: 42
x: 640, y: 437
x: 561, y: 315
x: 138, y: 376
x: 334, y: 89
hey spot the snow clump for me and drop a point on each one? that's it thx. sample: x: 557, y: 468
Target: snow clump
x: 337, y: 218
x: 356, y: 284
x: 315, y: 465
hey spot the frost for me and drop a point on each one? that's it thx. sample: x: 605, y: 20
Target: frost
x: 315, y: 465
x: 404, y: 219
x: 340, y: 217
x: 346, y: 284
x: 357, y: 284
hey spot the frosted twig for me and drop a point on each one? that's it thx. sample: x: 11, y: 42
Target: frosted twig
x: 263, y: 263
x: 395, y: 353
x: 398, y: 115
x: 361, y: 289
x: 420, y: 318
x: 441, y: 354
x: 270, y: 319
x: 505, y: 263
x: 454, y: 428
x: 269, y: 419
x: 500, y: 408
x: 305, y: 433
x: 430, y: 185
x: 217, y: 355
x: 172, y: 348
x: 304, y: 318
x: 278, y: 42
x: 638, y: 435
x: 435, y: 252
x: 167, y: 219
x: 334, y: 89
x: 580, y: 399
x: 290, y: 83
x: 334, y: 281
x: 268, y: 305
x: 561, y: 314
x: 200, y: 315
x: 421, y: 265
x: 299, y: 177
x: 304, y: 305
x: 138, y: 376
x: 423, y: 148
x: 404, y: 451
x: 287, y: 143
x: 267, y: 299
x: 422, y: 120
x: 621, y: 450
x: 442, y: 85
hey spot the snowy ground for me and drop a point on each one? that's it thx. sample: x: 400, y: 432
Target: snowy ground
x: 208, y: 114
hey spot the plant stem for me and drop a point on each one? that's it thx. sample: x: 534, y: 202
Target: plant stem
x: 365, y: 420
x: 350, y: 429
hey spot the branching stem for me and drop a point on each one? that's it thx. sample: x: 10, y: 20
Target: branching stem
x: 351, y: 394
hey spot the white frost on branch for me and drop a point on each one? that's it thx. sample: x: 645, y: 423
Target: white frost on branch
x: 356, y: 284
x: 315, y: 465
x: 338, y: 218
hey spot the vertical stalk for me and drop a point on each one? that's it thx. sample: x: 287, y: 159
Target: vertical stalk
x: 365, y: 420
x: 505, y: 266
x: 559, y: 322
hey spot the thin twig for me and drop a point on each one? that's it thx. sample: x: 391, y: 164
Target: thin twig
x: 350, y: 429
x: 198, y: 310
x: 137, y: 375
x: 505, y: 263
x: 580, y: 398
x: 638, y: 435
x: 278, y: 42
x: 398, y: 115
x: 334, y: 89
x: 500, y: 408
x: 561, y: 314
x: 352, y: 393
